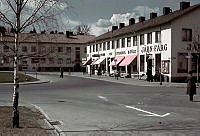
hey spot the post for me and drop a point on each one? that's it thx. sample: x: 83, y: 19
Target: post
x: 160, y: 76
x: 198, y: 69
x: 16, y: 79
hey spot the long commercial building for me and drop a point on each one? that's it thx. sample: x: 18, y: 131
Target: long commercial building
x: 168, y: 44
x: 44, y: 52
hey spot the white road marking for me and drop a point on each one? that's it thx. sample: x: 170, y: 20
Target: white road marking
x: 103, y: 98
x: 148, y: 113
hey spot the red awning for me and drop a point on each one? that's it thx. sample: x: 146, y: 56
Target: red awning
x: 127, y: 61
x: 117, y: 60
x: 88, y: 62
x: 94, y: 61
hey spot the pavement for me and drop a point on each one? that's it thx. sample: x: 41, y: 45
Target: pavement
x: 130, y: 81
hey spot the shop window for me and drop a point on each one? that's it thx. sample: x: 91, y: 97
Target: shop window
x: 182, y: 64
x: 157, y: 36
x: 134, y: 40
x: 129, y: 42
x: 141, y: 63
x: 149, y: 38
x: 142, y: 39
x: 123, y: 42
x: 186, y: 34
x: 194, y: 61
x: 68, y: 60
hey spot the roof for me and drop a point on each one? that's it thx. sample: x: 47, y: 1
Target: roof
x: 49, y: 38
x: 160, y: 20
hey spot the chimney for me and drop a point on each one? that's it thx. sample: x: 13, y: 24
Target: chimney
x: 121, y: 25
x: 67, y: 34
x: 131, y: 21
x: 166, y: 10
x: 141, y: 19
x: 153, y: 15
x: 184, y: 5
x: 114, y: 28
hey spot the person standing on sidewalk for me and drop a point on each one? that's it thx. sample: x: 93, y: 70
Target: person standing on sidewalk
x: 191, y: 86
x: 61, y: 72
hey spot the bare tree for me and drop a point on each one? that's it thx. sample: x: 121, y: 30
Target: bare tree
x: 19, y: 15
x: 82, y: 29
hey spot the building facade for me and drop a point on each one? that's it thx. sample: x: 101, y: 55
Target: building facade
x: 166, y: 45
x: 44, y: 52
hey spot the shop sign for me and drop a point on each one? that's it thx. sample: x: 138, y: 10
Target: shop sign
x: 121, y: 53
x: 131, y: 51
x: 155, y: 48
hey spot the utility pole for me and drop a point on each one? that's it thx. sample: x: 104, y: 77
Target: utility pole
x: 16, y: 78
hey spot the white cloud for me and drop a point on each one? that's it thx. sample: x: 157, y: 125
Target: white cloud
x: 102, y: 25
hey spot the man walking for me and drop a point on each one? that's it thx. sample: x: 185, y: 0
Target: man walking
x: 191, y: 86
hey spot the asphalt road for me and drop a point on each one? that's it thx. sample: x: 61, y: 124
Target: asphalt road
x: 98, y: 108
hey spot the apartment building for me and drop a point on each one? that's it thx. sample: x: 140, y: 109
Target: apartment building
x: 44, y: 52
x: 168, y: 44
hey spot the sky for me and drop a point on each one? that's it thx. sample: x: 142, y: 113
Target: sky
x: 100, y: 15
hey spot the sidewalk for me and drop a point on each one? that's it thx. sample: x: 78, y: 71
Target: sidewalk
x: 130, y: 81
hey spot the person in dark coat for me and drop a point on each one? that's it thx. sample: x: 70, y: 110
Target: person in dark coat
x: 191, y: 86
x: 61, y: 72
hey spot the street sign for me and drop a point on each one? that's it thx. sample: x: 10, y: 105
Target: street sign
x: 189, y: 57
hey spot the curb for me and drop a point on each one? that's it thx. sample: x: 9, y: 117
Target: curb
x: 113, y: 81
x: 27, y: 83
x: 57, y: 130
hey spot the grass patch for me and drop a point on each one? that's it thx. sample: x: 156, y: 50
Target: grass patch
x: 28, y: 123
x: 7, y: 77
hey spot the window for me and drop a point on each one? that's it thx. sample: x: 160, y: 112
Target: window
x: 6, y: 60
x: 77, y: 55
x: 5, y: 48
x: 100, y: 47
x: 117, y: 44
x: 97, y: 48
x: 113, y: 44
x: 78, y: 48
x: 42, y: 60
x: 90, y: 49
x: 93, y: 48
x: 186, y: 34
x: 104, y: 46
x: 42, y: 49
x: 68, y: 50
x: 68, y: 61
x: 142, y: 39
x: 141, y: 63
x: 108, y: 45
x: 85, y: 50
x: 135, y: 41
x: 149, y: 38
x: 157, y: 36
x: 60, y: 61
x: 24, y: 49
x: 129, y: 42
x: 34, y: 60
x: 123, y: 42
x: 33, y: 49
x: 182, y: 63
x: 60, y: 49
x: 51, y: 60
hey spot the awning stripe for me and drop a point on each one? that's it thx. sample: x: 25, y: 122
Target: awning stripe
x: 116, y: 60
x: 99, y: 61
x: 88, y: 62
x: 127, y: 61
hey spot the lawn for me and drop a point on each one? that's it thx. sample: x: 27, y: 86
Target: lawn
x: 7, y: 77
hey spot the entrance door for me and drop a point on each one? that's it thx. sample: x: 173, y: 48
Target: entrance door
x: 158, y: 63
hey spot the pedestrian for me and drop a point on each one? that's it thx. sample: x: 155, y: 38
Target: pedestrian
x: 61, y: 73
x: 191, y: 86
